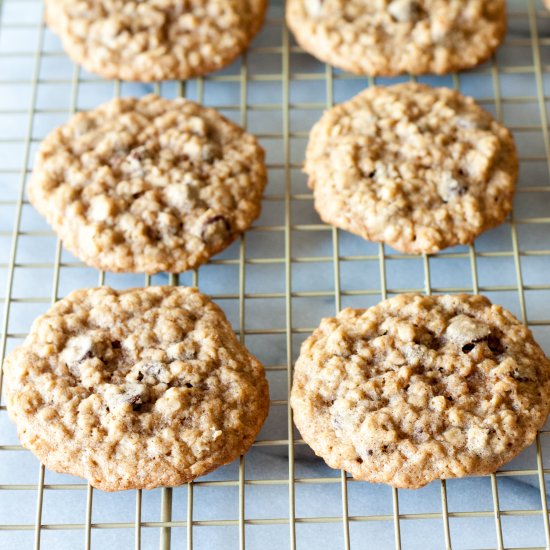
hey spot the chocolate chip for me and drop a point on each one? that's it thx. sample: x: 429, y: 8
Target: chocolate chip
x: 427, y: 338
x: 133, y: 394
x: 458, y: 190
x: 359, y: 460
x: 115, y: 344
x: 467, y: 348
x: 189, y: 354
x: 451, y: 186
x: 464, y: 330
x: 77, y: 350
x: 135, y: 401
x: 216, y: 219
x: 436, y: 343
x: 495, y: 345
x: 188, y: 385
x: 519, y: 378
x: 216, y: 227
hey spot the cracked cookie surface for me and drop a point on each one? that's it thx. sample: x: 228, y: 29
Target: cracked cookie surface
x: 149, y: 184
x: 417, y: 168
x: 420, y: 388
x: 390, y: 37
x: 135, y: 389
x: 149, y: 40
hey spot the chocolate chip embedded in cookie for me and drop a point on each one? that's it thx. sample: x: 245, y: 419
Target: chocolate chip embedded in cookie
x: 417, y: 168
x: 135, y: 389
x: 148, y: 185
x: 420, y: 388
x: 155, y: 39
x: 390, y: 37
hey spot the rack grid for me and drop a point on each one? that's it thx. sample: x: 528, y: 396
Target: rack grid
x: 275, y: 283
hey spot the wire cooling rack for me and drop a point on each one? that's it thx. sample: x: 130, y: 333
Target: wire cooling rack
x: 275, y: 284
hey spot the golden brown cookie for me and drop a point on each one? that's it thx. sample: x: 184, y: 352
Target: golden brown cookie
x: 149, y: 40
x: 148, y: 185
x: 135, y: 389
x: 420, y: 388
x: 415, y: 167
x: 390, y: 37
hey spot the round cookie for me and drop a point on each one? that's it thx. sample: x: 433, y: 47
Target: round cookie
x: 149, y: 184
x: 135, y: 389
x: 415, y: 167
x: 391, y: 37
x: 420, y: 388
x: 151, y: 40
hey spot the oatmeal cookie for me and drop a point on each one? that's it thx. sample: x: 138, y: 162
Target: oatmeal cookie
x: 415, y: 167
x: 148, y: 185
x: 419, y: 388
x: 135, y: 389
x: 150, y: 40
x: 390, y: 37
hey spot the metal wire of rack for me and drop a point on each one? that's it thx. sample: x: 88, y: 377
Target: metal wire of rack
x: 275, y: 283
